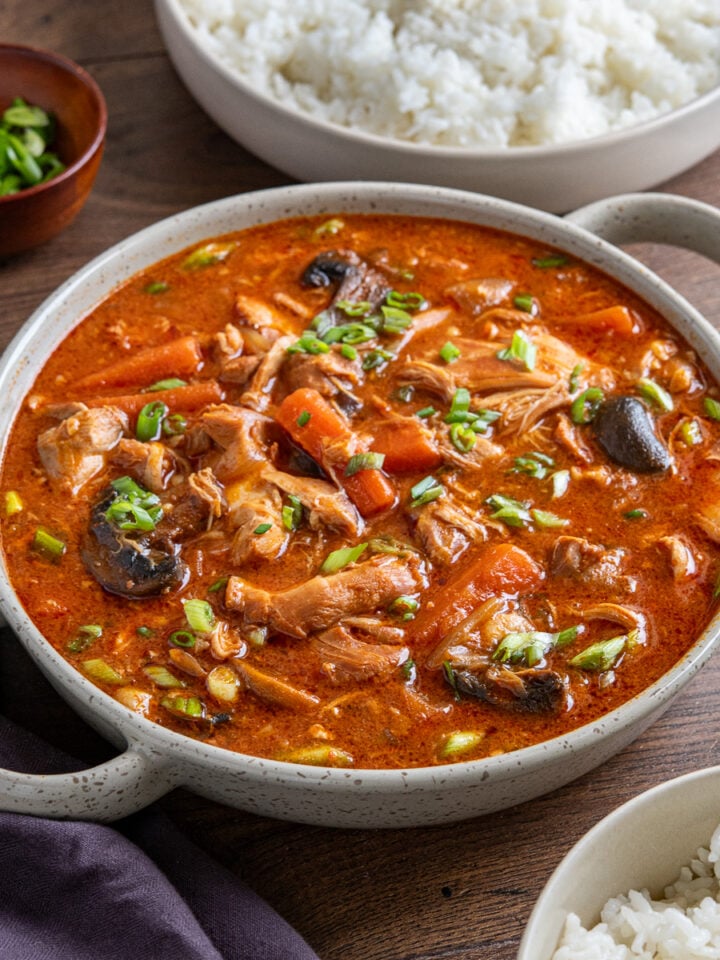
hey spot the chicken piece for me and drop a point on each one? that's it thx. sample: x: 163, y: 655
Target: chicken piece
x: 680, y: 557
x: 446, y: 530
x: 239, y: 370
x: 257, y: 395
x: 255, y: 510
x: 591, y: 563
x: 344, y: 657
x: 707, y: 514
x: 567, y: 434
x: 328, y: 373
x: 323, y: 601
x: 205, y: 486
x: 261, y: 315
x: 151, y: 464
x: 480, y: 293
x: 241, y: 433
x: 326, y: 505
x: 76, y: 450
x: 228, y: 343
x: 522, y: 409
x: 354, y: 280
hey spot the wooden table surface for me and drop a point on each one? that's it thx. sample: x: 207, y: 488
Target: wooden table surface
x: 460, y: 891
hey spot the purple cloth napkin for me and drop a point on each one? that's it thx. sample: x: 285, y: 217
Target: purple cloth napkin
x: 83, y: 891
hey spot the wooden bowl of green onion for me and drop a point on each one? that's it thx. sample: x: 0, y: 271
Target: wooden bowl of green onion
x: 52, y: 131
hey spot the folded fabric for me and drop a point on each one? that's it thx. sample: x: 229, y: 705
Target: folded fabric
x: 139, y: 889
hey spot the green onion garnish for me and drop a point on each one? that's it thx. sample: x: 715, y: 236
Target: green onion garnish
x: 304, y: 418
x: 459, y: 742
x: 691, y: 433
x: 292, y: 513
x: 218, y: 585
x: 533, y: 465
x: 636, y: 514
x: 341, y: 558
x: 168, y: 384
x: 601, y: 655
x: 332, y: 226
x: 404, y: 608
x: 207, y: 255
x: 364, y: 461
x: 462, y: 437
x: 425, y: 491
x: 655, y: 394
x: 354, y: 308
x: 182, y: 638
x: 189, y: 708
x: 449, y: 352
x: 144, y: 632
x: 585, y: 405
x: 47, y: 545
x: 514, y: 513
x: 526, y: 302
x: 560, y: 482
x: 161, y: 676
x: 406, y: 301
x: 521, y: 350
x: 426, y: 412
x: 309, y: 343
x: 350, y: 353
x: 199, y: 615
x: 575, y: 377
x: 129, y: 515
x: 460, y: 405
x: 553, y: 260
x: 262, y: 528
x: 395, y: 320
x: 712, y: 408
x: 13, y: 503
x: 102, y: 671
x: 532, y: 646
x: 85, y: 637
x: 544, y: 519
x: 149, y: 421
x: 157, y: 286
x: 376, y: 358
x: 174, y: 425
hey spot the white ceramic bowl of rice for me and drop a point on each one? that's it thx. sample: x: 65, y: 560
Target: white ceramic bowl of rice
x: 551, y: 103
x: 643, y: 883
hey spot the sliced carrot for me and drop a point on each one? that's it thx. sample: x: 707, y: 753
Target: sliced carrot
x: 179, y: 358
x: 500, y: 569
x: 191, y: 397
x: 406, y: 445
x: 312, y: 422
x: 617, y: 318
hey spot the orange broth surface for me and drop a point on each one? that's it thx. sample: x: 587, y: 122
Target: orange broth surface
x: 516, y: 580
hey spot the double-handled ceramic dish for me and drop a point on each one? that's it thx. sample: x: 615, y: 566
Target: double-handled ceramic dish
x: 155, y: 759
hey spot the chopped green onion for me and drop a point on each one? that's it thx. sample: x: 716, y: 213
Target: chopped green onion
x: 364, y: 461
x: 544, y: 519
x: 575, y: 377
x: 47, y: 545
x: 262, y: 528
x: 450, y: 678
x: 526, y: 302
x: 533, y: 465
x: 601, y: 655
x: 459, y: 742
x: 350, y: 353
x: 174, y: 425
x: 304, y: 418
x: 395, y: 320
x: 341, y: 558
x: 390, y: 545
x: 449, y: 352
x: 144, y: 632
x: 376, y: 358
x: 127, y: 515
x: 292, y: 513
x: 182, y: 638
x: 22, y: 114
x: 332, y: 226
x: 409, y: 671
x: 426, y: 412
x: 309, y: 343
x: 691, y: 433
x: 168, y: 384
x: 521, y: 350
x: 460, y: 404
x: 585, y: 405
x: 257, y: 636
x: 655, y: 394
x: 150, y: 420
x: 189, y: 708
x: 13, y: 503
x: 514, y: 513
x: 462, y: 437
x: 157, y: 286
x: 560, y: 482
x: 405, y: 301
x: 425, y: 491
x: 102, y: 671
x: 199, y: 615
x: 85, y: 637
x: 161, y: 676
x: 712, y: 408
x: 532, y: 646
x: 404, y: 608
x: 636, y: 514
x: 207, y: 255
x: 218, y: 585
x: 347, y: 333
x: 553, y: 260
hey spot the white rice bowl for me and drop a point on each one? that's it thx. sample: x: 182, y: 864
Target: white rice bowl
x: 684, y: 925
x: 470, y: 73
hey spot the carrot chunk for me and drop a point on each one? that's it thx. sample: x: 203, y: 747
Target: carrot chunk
x: 407, y: 447
x: 312, y: 423
x: 617, y: 318
x: 499, y: 569
x: 179, y: 358
x: 192, y: 397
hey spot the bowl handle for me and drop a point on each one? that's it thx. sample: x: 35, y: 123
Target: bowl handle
x: 107, y: 792
x: 654, y: 218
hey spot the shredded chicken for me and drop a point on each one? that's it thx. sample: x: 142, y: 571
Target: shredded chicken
x: 76, y: 450
x: 446, y: 529
x: 326, y: 505
x: 344, y: 657
x: 151, y: 464
x: 240, y: 433
x: 257, y: 395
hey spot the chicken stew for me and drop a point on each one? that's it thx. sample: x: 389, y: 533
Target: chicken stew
x: 368, y: 491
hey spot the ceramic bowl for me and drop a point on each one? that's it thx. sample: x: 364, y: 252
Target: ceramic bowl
x: 61, y: 87
x: 623, y: 853
x: 555, y: 178
x: 155, y: 759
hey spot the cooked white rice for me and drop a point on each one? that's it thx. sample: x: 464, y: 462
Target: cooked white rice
x: 470, y: 73
x: 685, y: 925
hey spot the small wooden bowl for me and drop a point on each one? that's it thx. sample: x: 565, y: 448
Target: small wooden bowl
x: 61, y: 87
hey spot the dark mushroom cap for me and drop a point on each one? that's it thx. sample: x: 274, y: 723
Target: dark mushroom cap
x: 625, y: 429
